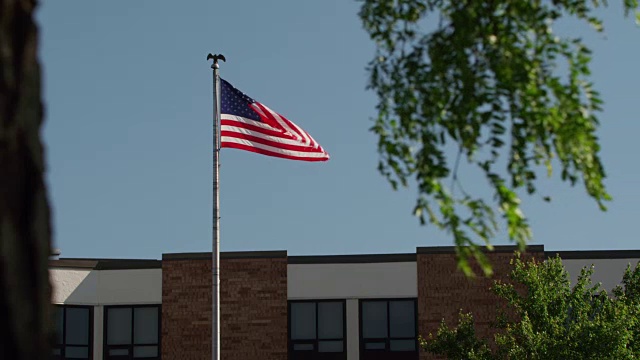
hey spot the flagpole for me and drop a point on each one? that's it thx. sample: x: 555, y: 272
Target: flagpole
x: 215, y: 253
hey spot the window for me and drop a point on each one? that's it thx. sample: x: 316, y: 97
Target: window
x: 74, y: 337
x: 388, y: 329
x: 132, y: 332
x: 317, y: 330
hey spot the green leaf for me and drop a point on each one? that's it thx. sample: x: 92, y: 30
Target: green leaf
x: 544, y: 316
x: 488, y: 81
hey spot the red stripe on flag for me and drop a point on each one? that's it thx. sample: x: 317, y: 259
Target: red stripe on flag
x: 244, y: 125
x: 270, y: 153
x: 276, y: 144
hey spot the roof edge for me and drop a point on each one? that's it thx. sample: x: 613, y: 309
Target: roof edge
x: 127, y: 264
x: 73, y: 263
x: 594, y: 254
x: 496, y: 249
x: 105, y: 264
x: 352, y: 259
x: 227, y: 255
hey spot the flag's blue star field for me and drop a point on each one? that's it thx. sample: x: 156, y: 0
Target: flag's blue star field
x: 235, y: 102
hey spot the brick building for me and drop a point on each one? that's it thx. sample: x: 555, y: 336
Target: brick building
x: 277, y: 307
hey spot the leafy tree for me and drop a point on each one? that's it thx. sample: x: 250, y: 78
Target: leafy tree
x: 493, y: 80
x: 546, y: 318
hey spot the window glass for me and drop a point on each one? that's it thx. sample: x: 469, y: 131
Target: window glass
x: 119, y: 326
x: 375, y: 345
x: 145, y: 351
x: 330, y: 323
x: 303, y: 347
x: 73, y: 332
x: 59, y: 323
x: 402, y: 345
x: 133, y: 332
x: 316, y: 330
x: 402, y: 319
x: 388, y: 329
x: 145, y: 328
x: 330, y: 346
x: 76, y: 352
x: 119, y: 352
x: 77, y: 326
x: 374, y: 319
x: 303, y: 321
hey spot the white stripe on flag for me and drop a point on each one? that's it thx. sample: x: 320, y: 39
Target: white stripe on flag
x: 282, y: 140
x: 300, y: 154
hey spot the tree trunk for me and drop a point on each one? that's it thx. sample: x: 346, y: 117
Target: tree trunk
x: 25, y: 231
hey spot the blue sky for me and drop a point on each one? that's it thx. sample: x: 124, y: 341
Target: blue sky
x: 128, y: 133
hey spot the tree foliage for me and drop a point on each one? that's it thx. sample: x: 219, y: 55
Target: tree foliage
x: 494, y: 81
x: 550, y: 319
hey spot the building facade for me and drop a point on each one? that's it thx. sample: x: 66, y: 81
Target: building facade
x: 274, y: 306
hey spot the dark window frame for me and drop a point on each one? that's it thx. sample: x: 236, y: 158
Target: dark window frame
x: 313, y: 354
x: 62, y: 346
x: 105, y: 345
x: 387, y: 340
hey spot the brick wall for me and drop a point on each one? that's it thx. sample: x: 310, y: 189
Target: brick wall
x: 443, y: 290
x: 253, y: 289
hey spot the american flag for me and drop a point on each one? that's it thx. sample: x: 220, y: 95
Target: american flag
x: 246, y: 124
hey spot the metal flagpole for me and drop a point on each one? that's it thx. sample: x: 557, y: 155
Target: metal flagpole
x: 215, y: 253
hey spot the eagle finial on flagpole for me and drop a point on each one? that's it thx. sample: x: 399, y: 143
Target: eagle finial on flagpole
x: 215, y: 58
